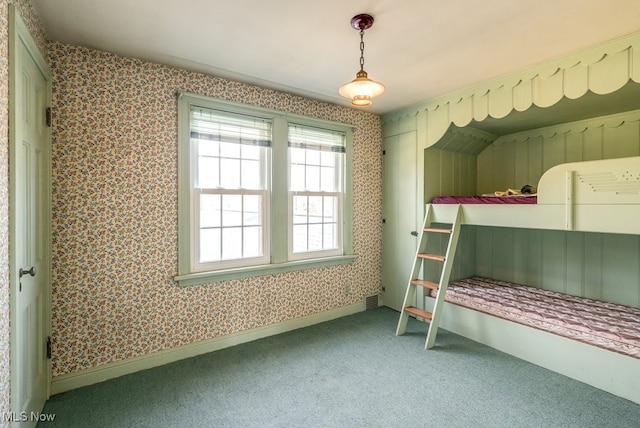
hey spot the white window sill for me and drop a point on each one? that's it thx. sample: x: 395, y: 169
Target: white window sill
x: 246, y: 272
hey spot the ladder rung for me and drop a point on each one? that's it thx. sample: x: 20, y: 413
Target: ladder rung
x: 437, y: 230
x: 436, y: 257
x: 425, y: 284
x: 418, y: 312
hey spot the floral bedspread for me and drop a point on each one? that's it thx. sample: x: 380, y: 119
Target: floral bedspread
x: 606, y: 325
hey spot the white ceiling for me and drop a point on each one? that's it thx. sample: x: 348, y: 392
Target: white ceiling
x: 418, y: 49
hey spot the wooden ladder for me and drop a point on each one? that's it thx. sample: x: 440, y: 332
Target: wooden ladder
x: 441, y: 287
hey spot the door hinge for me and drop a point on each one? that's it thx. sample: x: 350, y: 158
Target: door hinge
x: 49, y: 347
x: 47, y: 116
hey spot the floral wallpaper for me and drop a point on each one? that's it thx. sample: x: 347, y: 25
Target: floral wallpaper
x: 115, y: 215
x: 27, y: 12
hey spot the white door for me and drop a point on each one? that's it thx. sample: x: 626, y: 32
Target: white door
x: 399, y: 196
x: 29, y: 226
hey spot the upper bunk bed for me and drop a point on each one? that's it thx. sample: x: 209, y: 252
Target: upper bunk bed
x: 592, y: 196
x: 600, y: 82
x: 569, y: 103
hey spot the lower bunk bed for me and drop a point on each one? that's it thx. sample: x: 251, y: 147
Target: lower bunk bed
x: 594, y: 342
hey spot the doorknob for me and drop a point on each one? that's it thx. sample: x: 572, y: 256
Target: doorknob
x: 414, y: 233
x: 31, y: 271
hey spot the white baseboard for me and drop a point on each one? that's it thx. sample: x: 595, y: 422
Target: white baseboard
x: 93, y: 375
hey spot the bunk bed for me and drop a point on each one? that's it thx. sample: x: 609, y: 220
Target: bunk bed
x: 585, y: 105
x: 595, y: 342
x: 592, y: 196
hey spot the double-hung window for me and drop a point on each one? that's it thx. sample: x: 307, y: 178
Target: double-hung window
x: 230, y: 188
x: 316, y: 189
x: 260, y: 191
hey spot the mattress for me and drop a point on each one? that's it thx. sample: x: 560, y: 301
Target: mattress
x: 485, y: 199
x: 606, y: 325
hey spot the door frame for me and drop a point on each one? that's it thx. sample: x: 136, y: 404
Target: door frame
x: 19, y: 33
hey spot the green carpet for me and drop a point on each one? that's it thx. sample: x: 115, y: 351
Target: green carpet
x: 349, y: 372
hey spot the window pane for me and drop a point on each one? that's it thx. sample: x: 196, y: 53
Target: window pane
x: 230, y: 173
x: 313, y: 157
x: 299, y: 209
x: 330, y: 239
x: 297, y: 181
x: 251, y: 152
x: 299, y: 238
x: 208, y: 172
x: 327, y: 179
x: 313, y: 178
x: 231, y: 210
x: 315, y: 237
x: 230, y: 150
x: 210, y: 245
x: 329, y: 209
x: 315, y: 209
x: 296, y: 155
x: 328, y: 159
x: 210, y: 211
x: 252, y: 210
x: 252, y: 242
x: 251, y: 175
x: 208, y: 148
x: 232, y: 243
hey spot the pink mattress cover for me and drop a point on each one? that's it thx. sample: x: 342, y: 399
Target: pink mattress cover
x: 606, y: 325
x: 485, y: 200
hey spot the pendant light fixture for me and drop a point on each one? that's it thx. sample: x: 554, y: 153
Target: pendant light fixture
x: 362, y: 89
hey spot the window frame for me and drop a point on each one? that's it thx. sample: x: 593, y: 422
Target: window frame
x: 278, y: 195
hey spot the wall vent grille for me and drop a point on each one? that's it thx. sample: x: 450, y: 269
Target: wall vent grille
x: 371, y: 302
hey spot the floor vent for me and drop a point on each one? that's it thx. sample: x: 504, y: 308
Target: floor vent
x: 371, y: 302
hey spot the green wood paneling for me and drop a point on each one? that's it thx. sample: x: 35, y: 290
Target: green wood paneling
x: 599, y: 266
x: 620, y: 273
x: 502, y: 257
x: 592, y: 149
x: 484, y: 252
x: 521, y: 164
x: 534, y: 244
x: 553, y: 151
x: 535, y: 159
x: 575, y: 263
x: 554, y: 260
x: 518, y: 159
x: 520, y: 256
x: 449, y: 173
x: 592, y: 266
x: 621, y: 141
x: 485, y: 162
x: 573, y: 146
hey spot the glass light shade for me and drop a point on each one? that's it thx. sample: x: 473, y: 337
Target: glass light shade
x: 361, y: 90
